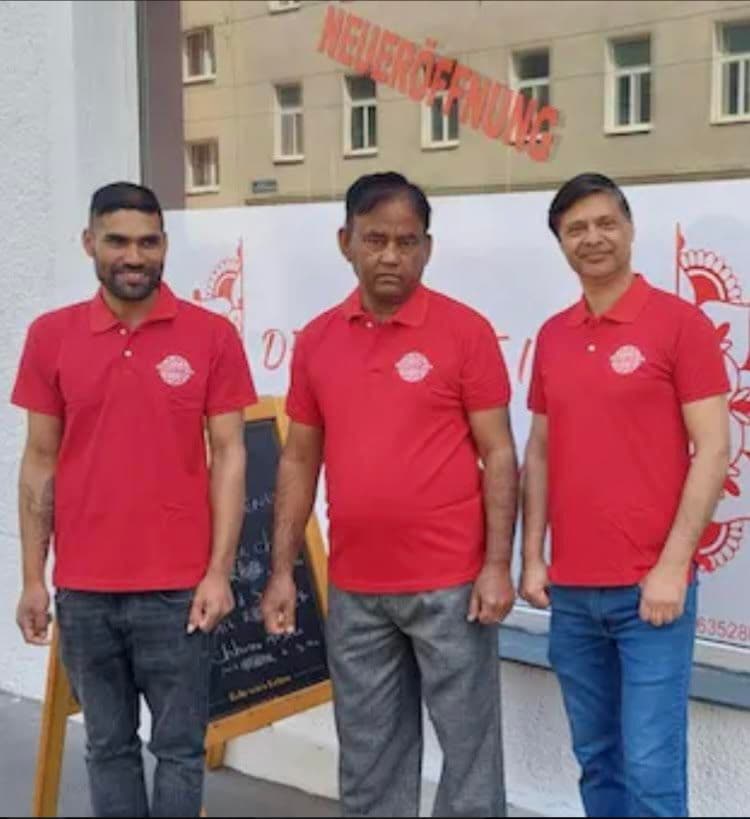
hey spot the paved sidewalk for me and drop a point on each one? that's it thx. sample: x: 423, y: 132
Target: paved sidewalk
x: 228, y: 793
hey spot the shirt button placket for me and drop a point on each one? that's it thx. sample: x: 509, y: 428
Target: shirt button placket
x: 372, y: 351
x: 592, y: 326
x: 127, y: 338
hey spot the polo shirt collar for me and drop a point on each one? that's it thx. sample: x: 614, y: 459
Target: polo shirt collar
x: 624, y: 311
x: 101, y: 318
x: 411, y: 314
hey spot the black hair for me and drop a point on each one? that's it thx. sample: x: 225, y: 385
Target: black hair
x: 579, y: 187
x: 373, y: 189
x: 124, y: 196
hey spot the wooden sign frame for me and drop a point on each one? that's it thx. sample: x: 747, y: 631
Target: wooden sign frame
x: 59, y: 702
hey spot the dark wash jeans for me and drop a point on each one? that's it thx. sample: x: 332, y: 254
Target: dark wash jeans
x: 625, y: 684
x: 116, y: 647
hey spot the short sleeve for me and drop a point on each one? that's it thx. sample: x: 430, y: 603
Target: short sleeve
x: 37, y: 386
x: 537, y: 400
x: 301, y: 402
x: 484, y: 376
x: 699, y: 369
x: 230, y: 384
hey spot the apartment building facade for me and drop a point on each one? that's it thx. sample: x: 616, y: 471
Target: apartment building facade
x: 646, y: 91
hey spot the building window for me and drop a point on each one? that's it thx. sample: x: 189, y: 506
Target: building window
x: 198, y: 59
x: 628, y: 92
x: 290, y: 143
x: 732, y: 72
x: 531, y: 75
x: 275, y: 6
x: 440, y: 130
x: 360, y: 116
x: 202, y: 171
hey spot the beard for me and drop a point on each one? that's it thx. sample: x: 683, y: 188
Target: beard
x: 130, y: 284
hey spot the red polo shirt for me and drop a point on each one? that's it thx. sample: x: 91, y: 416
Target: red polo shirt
x: 404, y: 486
x: 612, y: 389
x: 132, y: 506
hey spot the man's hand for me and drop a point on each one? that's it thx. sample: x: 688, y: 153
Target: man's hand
x: 493, y: 595
x: 33, y: 616
x: 279, y: 604
x: 663, y: 593
x: 535, y: 585
x: 212, y: 602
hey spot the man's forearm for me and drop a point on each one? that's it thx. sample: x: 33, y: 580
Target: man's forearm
x: 699, y: 497
x: 36, y: 507
x: 500, y: 485
x: 534, y: 483
x: 227, y: 506
x: 295, y: 495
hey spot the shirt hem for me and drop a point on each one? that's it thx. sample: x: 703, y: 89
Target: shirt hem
x: 236, y: 406
x: 30, y: 406
x: 415, y: 587
x: 107, y: 586
x: 600, y: 582
x: 300, y: 418
x: 478, y: 406
x: 699, y: 395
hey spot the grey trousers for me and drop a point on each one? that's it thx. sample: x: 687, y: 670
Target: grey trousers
x: 385, y: 653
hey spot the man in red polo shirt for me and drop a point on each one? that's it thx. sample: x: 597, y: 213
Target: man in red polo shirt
x: 118, y: 391
x: 624, y: 383
x: 400, y: 391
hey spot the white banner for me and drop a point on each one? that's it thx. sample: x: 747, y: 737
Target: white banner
x: 273, y: 268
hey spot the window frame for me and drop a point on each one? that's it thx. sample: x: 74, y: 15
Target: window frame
x: 719, y: 60
x: 519, y: 84
x: 278, y: 157
x: 428, y: 143
x: 612, y: 75
x: 349, y: 106
x: 192, y: 79
x: 191, y: 189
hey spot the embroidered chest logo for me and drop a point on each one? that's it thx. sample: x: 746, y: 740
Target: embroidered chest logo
x: 413, y: 367
x: 626, y: 360
x: 175, y: 370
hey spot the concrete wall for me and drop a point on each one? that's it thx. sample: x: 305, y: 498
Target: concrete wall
x: 69, y: 123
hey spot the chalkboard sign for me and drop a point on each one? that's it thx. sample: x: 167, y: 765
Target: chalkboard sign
x: 257, y: 678
x: 249, y: 665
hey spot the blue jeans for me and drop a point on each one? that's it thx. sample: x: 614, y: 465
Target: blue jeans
x: 625, y: 686
x: 115, y: 647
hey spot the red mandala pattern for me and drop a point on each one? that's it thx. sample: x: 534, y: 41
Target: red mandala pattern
x: 712, y: 280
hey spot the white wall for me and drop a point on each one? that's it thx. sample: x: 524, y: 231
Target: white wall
x: 68, y: 123
x: 540, y: 771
